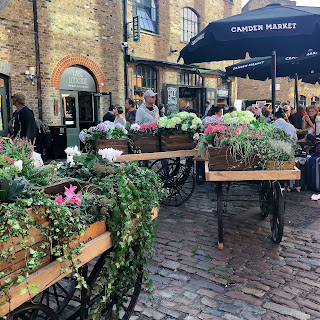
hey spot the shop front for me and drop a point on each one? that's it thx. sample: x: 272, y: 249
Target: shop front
x: 78, y: 102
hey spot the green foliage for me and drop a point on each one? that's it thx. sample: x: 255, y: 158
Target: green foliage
x: 10, y: 190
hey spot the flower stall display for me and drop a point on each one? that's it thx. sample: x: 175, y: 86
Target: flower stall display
x: 241, y: 143
x: 144, y: 137
x: 40, y: 224
x: 105, y: 135
x: 179, y: 131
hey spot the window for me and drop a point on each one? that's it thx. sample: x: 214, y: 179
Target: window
x: 302, y: 100
x: 189, y: 78
x: 144, y: 77
x: 148, y: 12
x: 190, y: 24
x: 314, y: 100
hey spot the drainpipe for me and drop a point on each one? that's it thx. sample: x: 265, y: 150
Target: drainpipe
x: 125, y: 47
x: 36, y: 43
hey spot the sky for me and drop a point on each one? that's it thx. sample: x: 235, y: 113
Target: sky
x: 308, y: 3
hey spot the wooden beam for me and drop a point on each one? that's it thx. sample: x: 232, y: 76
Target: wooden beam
x: 255, y: 175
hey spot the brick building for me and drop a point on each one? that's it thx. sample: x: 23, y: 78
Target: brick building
x: 253, y: 90
x: 69, y: 58
x: 165, y: 30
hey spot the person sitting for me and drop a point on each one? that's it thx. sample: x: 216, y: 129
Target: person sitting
x: 280, y: 122
x: 216, y: 115
x: 309, y: 120
x: 267, y: 114
x: 110, y: 116
x: 290, y: 118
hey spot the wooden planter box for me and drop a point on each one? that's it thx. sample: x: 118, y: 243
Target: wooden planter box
x: 119, y: 144
x: 220, y: 160
x: 14, y: 266
x: 172, y: 142
x: 147, y: 142
x: 286, y: 165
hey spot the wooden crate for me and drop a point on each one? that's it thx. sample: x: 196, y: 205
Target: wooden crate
x: 14, y: 266
x: 220, y: 160
x: 285, y: 165
x: 119, y: 144
x: 172, y: 142
x: 147, y: 142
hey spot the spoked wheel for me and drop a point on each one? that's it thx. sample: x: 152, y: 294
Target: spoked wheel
x: 158, y: 164
x: 277, y: 215
x: 32, y: 311
x: 110, y: 312
x: 265, y: 198
x: 57, y: 296
x: 179, y: 180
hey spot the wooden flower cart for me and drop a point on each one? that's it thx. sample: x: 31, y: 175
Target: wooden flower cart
x: 57, y: 290
x: 271, y: 194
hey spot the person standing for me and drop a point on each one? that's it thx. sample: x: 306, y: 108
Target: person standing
x: 131, y: 111
x: 23, y: 123
x: 148, y: 112
x: 207, y: 106
x: 118, y: 111
x: 110, y: 116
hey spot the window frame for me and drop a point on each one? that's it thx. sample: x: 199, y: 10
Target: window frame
x: 186, y: 16
x: 148, y: 78
x: 189, y: 78
x: 141, y: 6
x: 302, y: 101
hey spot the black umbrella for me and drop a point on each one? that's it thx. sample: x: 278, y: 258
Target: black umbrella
x: 287, y: 30
x: 260, y: 68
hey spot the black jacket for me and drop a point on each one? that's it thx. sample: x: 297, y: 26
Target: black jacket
x: 25, y: 124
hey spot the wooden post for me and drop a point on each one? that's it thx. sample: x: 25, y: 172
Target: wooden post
x: 273, y: 79
x: 296, y: 96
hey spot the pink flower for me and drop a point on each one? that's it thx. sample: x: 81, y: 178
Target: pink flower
x: 252, y: 132
x: 70, y: 192
x: 238, y: 131
x: 76, y: 199
x: 209, y: 129
x: 144, y: 127
x: 59, y: 200
x: 257, y: 135
x: 260, y: 131
x: 12, y: 161
x: 5, y: 158
x: 153, y: 125
x: 243, y: 126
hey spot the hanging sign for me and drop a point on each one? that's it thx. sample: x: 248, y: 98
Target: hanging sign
x: 136, y: 28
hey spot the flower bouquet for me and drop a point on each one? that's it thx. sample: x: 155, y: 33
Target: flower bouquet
x: 179, y: 131
x: 144, y: 137
x: 105, y: 135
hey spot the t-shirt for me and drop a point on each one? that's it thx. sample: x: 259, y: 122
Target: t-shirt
x: 131, y: 117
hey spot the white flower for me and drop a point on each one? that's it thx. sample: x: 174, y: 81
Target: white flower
x: 110, y: 154
x: 135, y: 127
x: 70, y: 160
x: 38, y: 162
x: 18, y: 164
x: 196, y: 136
x: 72, y: 151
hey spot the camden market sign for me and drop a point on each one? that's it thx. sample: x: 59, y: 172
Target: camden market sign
x: 77, y: 79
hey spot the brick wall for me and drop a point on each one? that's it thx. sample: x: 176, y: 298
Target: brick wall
x: 256, y: 4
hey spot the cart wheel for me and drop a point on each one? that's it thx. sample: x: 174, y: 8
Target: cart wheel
x: 33, y: 311
x: 265, y: 198
x: 57, y: 296
x: 179, y: 180
x: 158, y: 164
x: 277, y: 216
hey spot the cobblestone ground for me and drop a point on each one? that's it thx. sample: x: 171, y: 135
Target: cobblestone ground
x: 251, y: 278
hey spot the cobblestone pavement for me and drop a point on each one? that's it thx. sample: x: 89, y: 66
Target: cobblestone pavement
x: 251, y: 278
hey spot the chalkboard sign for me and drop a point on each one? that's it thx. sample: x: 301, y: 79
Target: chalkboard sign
x: 171, y: 98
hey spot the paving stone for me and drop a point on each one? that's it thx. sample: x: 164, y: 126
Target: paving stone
x: 171, y: 313
x: 254, y: 292
x: 286, y: 311
x: 153, y: 314
x: 231, y: 308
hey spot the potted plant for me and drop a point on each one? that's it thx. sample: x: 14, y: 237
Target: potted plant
x: 245, y: 144
x: 179, y: 131
x: 105, y: 135
x: 144, y: 137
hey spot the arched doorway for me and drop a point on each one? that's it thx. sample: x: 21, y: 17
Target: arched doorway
x: 78, y: 106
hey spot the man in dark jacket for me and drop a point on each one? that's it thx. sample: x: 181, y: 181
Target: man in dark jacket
x: 110, y: 116
x: 24, y: 123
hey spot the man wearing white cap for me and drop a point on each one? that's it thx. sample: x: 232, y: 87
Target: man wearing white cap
x: 148, y: 112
